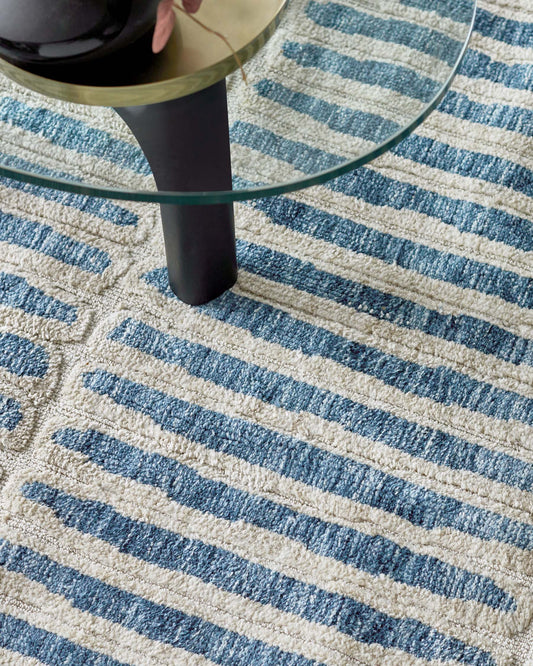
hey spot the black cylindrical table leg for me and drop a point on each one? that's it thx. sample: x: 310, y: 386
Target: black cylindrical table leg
x: 186, y: 142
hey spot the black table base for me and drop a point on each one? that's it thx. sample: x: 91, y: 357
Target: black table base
x: 186, y: 142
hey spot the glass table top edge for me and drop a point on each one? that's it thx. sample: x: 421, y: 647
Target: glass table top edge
x: 254, y: 192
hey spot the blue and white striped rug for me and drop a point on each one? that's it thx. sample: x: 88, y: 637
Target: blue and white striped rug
x: 330, y: 464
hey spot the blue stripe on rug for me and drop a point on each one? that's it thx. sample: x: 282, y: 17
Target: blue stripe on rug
x: 466, y: 163
x: 507, y: 117
x: 300, y: 461
x: 72, y: 134
x: 393, y: 250
x: 379, y: 190
x: 374, y: 554
x: 368, y: 126
x: 305, y: 276
x: 509, y: 31
x: 411, y: 84
x: 478, y: 65
x: 98, y: 207
x: 440, y: 384
x: 417, y: 37
x: 457, y: 10
x: 157, y: 622
x: 492, y: 223
x: 372, y: 72
x: 252, y: 581
x: 16, y: 292
x: 461, y: 329
x: 300, y: 155
x: 22, y: 357
x: 10, y: 413
x: 22, y: 638
x: 419, y: 149
x: 464, y: 330
x: 42, y: 238
x: 296, y: 396
x: 488, y: 24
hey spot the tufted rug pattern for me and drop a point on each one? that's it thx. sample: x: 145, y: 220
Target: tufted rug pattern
x: 330, y: 464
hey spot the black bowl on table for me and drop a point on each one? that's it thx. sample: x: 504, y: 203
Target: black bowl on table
x: 64, y: 32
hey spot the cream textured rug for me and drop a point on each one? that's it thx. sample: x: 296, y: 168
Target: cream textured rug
x: 330, y: 464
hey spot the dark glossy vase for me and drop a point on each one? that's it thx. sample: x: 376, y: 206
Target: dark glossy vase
x: 50, y: 32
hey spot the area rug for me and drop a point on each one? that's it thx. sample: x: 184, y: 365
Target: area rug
x: 329, y: 464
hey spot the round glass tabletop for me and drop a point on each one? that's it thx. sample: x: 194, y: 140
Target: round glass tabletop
x: 330, y: 86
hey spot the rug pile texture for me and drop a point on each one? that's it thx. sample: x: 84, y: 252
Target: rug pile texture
x: 330, y: 464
